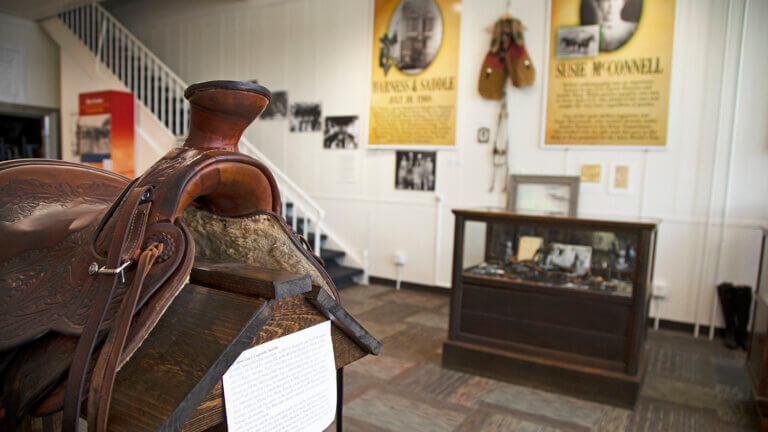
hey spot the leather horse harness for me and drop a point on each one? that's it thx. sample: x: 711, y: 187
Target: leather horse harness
x: 91, y: 261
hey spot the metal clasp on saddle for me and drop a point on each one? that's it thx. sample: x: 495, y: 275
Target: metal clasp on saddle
x: 94, y: 268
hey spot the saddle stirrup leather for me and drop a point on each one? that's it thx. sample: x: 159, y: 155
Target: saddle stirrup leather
x: 93, y: 260
x: 128, y: 231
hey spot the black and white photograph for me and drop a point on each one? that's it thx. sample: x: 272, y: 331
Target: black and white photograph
x: 415, y: 33
x: 341, y: 132
x: 415, y: 170
x: 306, y: 117
x: 93, y: 137
x: 618, y: 20
x: 578, y: 42
x: 577, y: 258
x: 277, y: 109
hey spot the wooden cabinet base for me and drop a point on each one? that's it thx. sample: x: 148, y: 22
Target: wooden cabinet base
x: 757, y: 353
x: 545, y: 374
x: 762, y: 413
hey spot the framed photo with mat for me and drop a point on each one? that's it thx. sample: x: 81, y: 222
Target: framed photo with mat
x: 545, y: 195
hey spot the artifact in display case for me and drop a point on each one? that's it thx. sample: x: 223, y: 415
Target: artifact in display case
x: 590, y: 260
x: 552, y: 301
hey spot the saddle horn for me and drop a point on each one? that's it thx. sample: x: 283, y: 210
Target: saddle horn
x: 215, y: 175
x: 220, y: 111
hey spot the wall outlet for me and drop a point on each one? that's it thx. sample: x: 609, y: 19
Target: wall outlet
x: 399, y: 258
x: 660, y: 290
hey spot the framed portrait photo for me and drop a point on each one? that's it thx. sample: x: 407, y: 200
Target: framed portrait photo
x: 544, y: 195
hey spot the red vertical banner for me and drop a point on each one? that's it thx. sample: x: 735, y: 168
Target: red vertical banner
x: 105, y: 131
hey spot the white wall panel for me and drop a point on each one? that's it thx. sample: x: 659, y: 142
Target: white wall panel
x: 321, y: 51
x: 40, y: 61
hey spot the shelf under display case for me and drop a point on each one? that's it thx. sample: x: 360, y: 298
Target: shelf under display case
x: 542, y: 297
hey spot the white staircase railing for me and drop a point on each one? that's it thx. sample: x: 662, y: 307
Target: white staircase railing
x: 162, y: 92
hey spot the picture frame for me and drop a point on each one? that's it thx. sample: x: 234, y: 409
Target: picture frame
x: 541, y: 194
x: 622, y: 178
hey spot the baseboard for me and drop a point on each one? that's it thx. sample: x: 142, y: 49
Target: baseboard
x: 680, y: 326
x: 411, y: 286
x: 685, y: 327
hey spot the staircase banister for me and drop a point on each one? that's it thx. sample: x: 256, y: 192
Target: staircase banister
x: 284, y: 178
x: 302, y: 201
x: 180, y: 82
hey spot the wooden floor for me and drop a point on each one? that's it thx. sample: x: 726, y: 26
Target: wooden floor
x: 691, y: 384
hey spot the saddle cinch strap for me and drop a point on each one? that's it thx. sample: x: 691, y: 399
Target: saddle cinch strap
x: 115, y: 270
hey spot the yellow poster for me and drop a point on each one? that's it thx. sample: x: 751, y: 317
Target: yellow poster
x: 591, y: 173
x: 621, y: 177
x: 610, y: 63
x: 414, y: 73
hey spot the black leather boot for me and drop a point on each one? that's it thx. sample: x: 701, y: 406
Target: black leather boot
x: 726, y: 292
x: 743, y: 303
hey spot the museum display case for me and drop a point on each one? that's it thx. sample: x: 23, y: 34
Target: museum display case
x: 757, y: 352
x: 554, y: 302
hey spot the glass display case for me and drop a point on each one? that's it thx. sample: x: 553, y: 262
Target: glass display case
x: 553, y: 297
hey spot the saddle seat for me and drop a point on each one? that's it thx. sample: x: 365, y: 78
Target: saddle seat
x: 49, y: 212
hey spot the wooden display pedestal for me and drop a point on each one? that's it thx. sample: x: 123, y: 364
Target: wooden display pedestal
x: 173, y: 382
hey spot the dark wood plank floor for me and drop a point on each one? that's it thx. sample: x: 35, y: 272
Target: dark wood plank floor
x: 691, y: 384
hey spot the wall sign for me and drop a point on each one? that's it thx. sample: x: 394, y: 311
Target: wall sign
x: 591, y: 173
x: 608, y: 76
x: 621, y: 181
x: 105, y: 131
x: 286, y: 384
x: 414, y: 73
x: 13, y: 69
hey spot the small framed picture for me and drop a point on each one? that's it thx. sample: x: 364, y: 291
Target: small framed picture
x: 544, y: 195
x: 591, y: 173
x: 483, y: 135
x: 305, y: 117
x: 621, y: 178
x: 415, y: 170
x: 341, y: 132
x: 277, y: 109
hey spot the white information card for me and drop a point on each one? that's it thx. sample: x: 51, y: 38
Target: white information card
x: 288, y: 384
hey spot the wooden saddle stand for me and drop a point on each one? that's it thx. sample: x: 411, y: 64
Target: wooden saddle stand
x: 136, y: 296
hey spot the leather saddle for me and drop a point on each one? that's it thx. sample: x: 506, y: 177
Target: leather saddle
x: 91, y: 260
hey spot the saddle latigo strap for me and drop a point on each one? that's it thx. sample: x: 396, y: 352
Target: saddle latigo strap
x: 126, y: 238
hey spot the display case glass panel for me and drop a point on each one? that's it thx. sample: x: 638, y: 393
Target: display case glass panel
x: 551, y: 256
